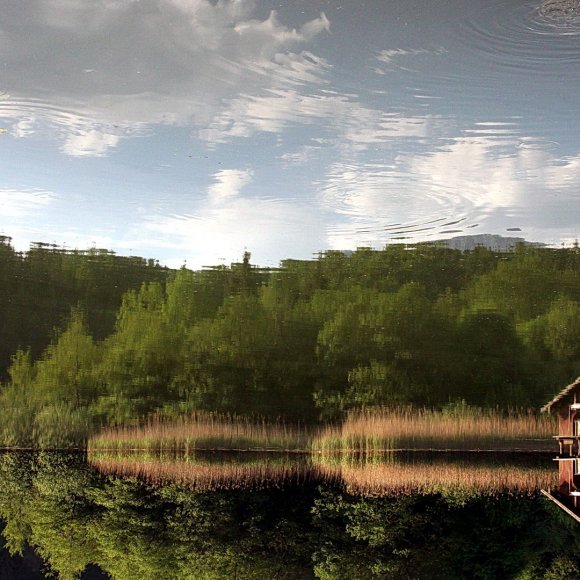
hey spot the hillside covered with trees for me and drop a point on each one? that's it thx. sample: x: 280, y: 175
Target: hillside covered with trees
x: 91, y: 339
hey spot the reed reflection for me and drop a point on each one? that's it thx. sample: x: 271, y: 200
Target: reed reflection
x: 469, y: 474
x: 372, y: 474
x: 207, y: 472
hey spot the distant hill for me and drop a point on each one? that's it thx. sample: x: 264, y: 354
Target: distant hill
x: 493, y: 242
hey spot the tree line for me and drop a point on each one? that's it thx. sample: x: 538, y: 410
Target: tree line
x: 423, y: 325
x: 39, y: 287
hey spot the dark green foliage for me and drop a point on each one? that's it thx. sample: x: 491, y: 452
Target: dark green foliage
x: 39, y: 288
x: 75, y: 517
x: 434, y: 537
x: 421, y: 326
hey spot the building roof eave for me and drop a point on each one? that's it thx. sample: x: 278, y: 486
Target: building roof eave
x: 560, y: 396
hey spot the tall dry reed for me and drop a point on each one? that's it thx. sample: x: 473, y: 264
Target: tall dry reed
x: 372, y: 430
x: 205, y: 431
x: 367, y: 431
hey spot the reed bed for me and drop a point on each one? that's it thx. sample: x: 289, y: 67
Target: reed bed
x: 205, y: 431
x: 375, y: 430
x: 200, y: 475
x: 366, y: 431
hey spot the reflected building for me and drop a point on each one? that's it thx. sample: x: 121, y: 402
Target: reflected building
x: 567, y: 405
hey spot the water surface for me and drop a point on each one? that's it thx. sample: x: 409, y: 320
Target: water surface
x: 80, y: 518
x: 193, y: 130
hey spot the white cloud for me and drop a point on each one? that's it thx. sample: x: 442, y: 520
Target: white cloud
x: 564, y: 174
x: 271, y: 27
x: 354, y: 125
x: 269, y: 229
x: 490, y: 172
x: 210, y: 65
x: 91, y: 143
x: 491, y: 182
x: 228, y: 184
x: 367, y: 126
x: 292, y: 69
x: 299, y: 157
x: 107, y: 69
x: 396, y: 57
x: 371, y: 204
x: 78, y: 131
x: 461, y: 166
x: 226, y: 223
x: 387, y: 56
x: 17, y: 204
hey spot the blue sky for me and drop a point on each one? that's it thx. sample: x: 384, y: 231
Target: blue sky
x: 190, y: 130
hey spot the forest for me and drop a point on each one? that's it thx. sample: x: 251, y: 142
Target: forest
x: 92, y: 339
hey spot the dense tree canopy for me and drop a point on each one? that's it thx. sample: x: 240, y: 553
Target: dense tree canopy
x: 39, y: 288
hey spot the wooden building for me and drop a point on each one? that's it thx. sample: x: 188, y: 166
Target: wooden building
x: 567, y: 405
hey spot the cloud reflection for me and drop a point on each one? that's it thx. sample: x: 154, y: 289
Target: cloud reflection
x: 439, y: 142
x: 352, y: 124
x: 229, y: 183
x: 493, y: 173
x: 228, y: 221
x: 471, y: 181
x: 107, y: 69
x: 17, y: 204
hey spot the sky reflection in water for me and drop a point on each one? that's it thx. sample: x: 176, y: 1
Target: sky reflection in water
x: 188, y: 129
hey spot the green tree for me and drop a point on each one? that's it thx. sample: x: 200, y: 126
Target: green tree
x: 139, y: 360
x: 65, y: 372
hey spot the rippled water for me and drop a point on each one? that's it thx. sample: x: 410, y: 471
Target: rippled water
x: 191, y: 131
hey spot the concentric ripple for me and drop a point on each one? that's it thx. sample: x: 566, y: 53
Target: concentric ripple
x: 521, y: 37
